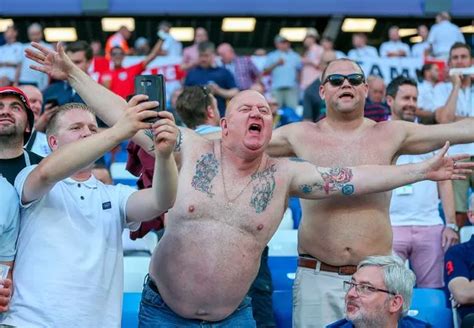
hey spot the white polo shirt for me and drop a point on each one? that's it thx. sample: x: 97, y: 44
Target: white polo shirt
x: 442, y: 36
x: 363, y: 53
x: 464, y: 107
x: 426, y: 96
x: 69, y: 264
x: 415, y: 204
x: 388, y: 46
x: 11, y: 53
x: 9, y: 220
x: 418, y: 49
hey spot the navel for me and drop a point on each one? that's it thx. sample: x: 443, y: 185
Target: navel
x: 191, y: 208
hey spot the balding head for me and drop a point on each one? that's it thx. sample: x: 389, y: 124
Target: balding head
x: 226, y: 52
x: 35, y: 97
x: 376, y: 88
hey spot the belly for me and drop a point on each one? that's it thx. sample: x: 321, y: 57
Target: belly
x: 345, y: 230
x: 203, y: 271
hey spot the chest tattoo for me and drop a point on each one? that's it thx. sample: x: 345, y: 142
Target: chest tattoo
x: 263, y: 187
x: 206, y: 170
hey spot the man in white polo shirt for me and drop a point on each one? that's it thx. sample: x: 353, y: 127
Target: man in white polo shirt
x: 9, y: 221
x: 455, y: 101
x: 69, y: 264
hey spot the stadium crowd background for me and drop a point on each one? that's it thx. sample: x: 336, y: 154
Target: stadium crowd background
x: 151, y: 45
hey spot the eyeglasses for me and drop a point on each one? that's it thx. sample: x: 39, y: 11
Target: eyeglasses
x: 337, y: 80
x: 363, y: 289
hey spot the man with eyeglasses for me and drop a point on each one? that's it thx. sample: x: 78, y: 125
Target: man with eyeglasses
x: 335, y: 236
x: 379, y: 295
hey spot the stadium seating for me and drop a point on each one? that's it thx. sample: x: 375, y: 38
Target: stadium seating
x: 432, y: 306
x: 131, y: 306
x: 121, y: 175
x: 466, y: 233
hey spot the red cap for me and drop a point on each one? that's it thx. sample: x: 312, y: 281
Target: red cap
x: 24, y: 99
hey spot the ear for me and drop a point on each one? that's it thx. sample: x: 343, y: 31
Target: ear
x: 390, y: 101
x: 321, y: 91
x: 210, y: 112
x: 53, y: 142
x: 224, y: 128
x: 396, y: 304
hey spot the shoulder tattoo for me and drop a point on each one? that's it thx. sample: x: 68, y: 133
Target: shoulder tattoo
x: 207, y: 168
x: 263, y: 187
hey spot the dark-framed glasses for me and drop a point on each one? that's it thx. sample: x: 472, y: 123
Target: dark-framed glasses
x: 337, y: 80
x: 364, y: 289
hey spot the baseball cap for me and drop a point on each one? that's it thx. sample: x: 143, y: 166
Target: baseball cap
x: 24, y: 99
x: 280, y: 38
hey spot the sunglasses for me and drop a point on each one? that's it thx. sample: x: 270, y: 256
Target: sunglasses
x: 337, y: 80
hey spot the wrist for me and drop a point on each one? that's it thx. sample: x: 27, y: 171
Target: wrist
x: 452, y: 226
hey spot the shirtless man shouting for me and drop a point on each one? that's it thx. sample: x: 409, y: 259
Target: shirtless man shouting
x: 334, y: 236
x: 231, y: 198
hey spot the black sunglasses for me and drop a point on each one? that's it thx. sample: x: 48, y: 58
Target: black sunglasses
x: 337, y: 80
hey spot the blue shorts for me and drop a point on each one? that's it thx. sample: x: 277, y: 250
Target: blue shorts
x: 155, y: 313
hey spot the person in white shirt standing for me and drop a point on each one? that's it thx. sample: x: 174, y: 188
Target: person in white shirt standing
x: 171, y: 47
x: 10, y: 57
x: 454, y: 101
x: 426, y: 107
x: 394, y: 47
x: 421, y: 49
x: 419, y: 233
x: 361, y: 50
x: 443, y: 35
x: 69, y: 264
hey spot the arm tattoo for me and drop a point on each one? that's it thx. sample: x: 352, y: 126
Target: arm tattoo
x: 206, y: 170
x: 149, y: 134
x: 263, y: 188
x: 334, y: 179
x: 179, y: 141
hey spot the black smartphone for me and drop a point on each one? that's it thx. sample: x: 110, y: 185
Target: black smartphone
x: 154, y: 87
x: 52, y: 101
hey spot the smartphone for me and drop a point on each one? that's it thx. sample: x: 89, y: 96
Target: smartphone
x: 53, y: 101
x: 154, y: 87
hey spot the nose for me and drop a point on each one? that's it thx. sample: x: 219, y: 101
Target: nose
x: 351, y: 293
x: 86, y: 132
x: 255, y: 112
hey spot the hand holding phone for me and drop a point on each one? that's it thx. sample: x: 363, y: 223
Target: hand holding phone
x: 154, y: 87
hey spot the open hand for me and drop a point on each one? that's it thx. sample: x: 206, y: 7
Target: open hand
x: 442, y: 167
x: 5, y: 294
x: 54, y: 63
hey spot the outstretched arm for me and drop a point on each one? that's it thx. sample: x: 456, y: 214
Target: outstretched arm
x: 107, y: 105
x: 148, y: 203
x: 70, y: 158
x: 310, y: 181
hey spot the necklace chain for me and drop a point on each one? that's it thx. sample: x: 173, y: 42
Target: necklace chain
x: 228, y: 200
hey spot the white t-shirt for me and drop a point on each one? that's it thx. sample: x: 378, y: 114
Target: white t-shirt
x: 40, y: 145
x: 363, y: 53
x: 69, y: 264
x: 464, y: 107
x: 29, y: 75
x: 11, y: 53
x: 9, y: 220
x: 389, y: 46
x: 426, y: 95
x: 442, y: 36
x: 418, y: 49
x: 417, y: 203
x: 173, y: 47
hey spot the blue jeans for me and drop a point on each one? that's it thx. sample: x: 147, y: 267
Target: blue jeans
x: 155, y: 313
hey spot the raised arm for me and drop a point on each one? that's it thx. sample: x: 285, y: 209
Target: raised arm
x: 107, y: 105
x: 447, y: 112
x: 310, y: 181
x: 70, y: 158
x: 420, y: 139
x: 148, y: 203
x: 280, y: 144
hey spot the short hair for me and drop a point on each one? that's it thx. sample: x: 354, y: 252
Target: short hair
x: 52, y: 126
x: 191, y: 105
x: 397, y: 277
x: 458, y: 45
x: 13, y: 27
x: 80, y: 46
x: 205, y: 46
x: 392, y: 87
x: 425, y: 68
x: 164, y: 24
x: 323, y: 75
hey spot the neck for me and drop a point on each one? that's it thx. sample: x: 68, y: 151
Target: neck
x: 242, y: 164
x: 10, y: 148
x: 345, y: 121
x: 82, y: 175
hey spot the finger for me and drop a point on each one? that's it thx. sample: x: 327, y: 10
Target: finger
x: 60, y: 50
x: 462, y: 171
x: 163, y: 128
x: 144, y: 115
x: 464, y: 165
x: 166, y: 114
x: 34, y: 55
x: 6, y: 283
x: 146, y: 105
x: 39, y: 68
x: 459, y: 157
x: 458, y: 177
x: 41, y: 48
x: 444, y: 150
x: 165, y: 121
x: 137, y: 99
x: 443, y: 243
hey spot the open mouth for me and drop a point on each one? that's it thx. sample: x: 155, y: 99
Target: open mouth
x: 255, y: 128
x: 346, y: 95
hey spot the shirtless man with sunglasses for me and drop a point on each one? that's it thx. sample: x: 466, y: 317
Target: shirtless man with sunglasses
x: 334, y: 236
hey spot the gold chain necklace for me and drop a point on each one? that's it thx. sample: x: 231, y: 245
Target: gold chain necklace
x: 230, y: 202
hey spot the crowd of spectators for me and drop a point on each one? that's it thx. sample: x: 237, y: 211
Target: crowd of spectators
x: 46, y: 113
